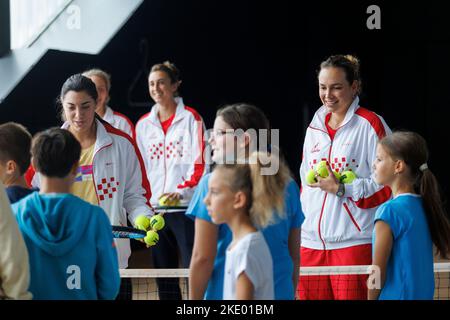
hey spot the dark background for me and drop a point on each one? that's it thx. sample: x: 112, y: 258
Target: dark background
x: 267, y: 53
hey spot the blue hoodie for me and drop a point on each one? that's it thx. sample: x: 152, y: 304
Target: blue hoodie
x: 70, y: 246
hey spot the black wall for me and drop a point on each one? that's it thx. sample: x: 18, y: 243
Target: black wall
x: 267, y: 53
x: 5, y: 42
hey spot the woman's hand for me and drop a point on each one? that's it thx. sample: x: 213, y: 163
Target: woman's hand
x: 171, y: 196
x: 329, y: 184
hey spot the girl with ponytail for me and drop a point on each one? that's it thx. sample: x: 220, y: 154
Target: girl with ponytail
x: 246, y: 200
x: 407, y: 226
x: 232, y: 136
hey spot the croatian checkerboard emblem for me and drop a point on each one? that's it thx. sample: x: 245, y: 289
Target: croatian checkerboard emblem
x: 106, y: 189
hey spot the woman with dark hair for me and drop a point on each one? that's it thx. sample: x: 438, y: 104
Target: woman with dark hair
x: 111, y: 172
x: 232, y: 141
x: 341, y: 138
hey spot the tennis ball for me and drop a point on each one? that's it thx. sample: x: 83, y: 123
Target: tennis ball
x: 164, y: 201
x: 321, y: 169
x: 157, y: 222
x: 142, y: 222
x: 311, y: 177
x: 151, y: 238
x: 347, y: 177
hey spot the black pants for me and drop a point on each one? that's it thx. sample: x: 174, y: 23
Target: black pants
x: 125, y: 291
x: 176, y: 237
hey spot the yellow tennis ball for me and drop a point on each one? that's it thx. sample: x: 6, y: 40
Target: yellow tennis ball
x: 164, y: 201
x: 157, y: 222
x: 151, y: 238
x: 347, y: 177
x: 142, y: 222
x: 321, y: 169
x: 337, y: 175
x: 311, y: 177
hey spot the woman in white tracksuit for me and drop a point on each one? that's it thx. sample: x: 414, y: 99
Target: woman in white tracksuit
x: 171, y: 140
x: 339, y: 217
x: 111, y: 172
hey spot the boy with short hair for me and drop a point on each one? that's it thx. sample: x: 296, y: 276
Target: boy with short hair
x: 70, y: 243
x: 15, y: 143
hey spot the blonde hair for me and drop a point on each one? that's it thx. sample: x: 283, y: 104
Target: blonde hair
x: 265, y: 192
x: 101, y: 74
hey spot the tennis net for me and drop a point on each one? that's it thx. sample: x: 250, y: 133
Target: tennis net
x: 313, y: 279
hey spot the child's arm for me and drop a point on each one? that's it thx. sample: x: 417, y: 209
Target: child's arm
x: 203, y: 255
x: 382, y: 251
x: 244, y: 288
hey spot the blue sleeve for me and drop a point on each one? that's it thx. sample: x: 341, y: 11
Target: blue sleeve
x: 293, y: 206
x: 386, y: 213
x: 197, y: 208
x: 107, y: 269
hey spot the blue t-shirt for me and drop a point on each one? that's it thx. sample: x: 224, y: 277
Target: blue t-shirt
x: 16, y: 193
x: 276, y: 236
x: 409, y: 274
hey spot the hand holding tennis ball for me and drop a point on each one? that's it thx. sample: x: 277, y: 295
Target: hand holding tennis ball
x: 157, y: 222
x: 165, y: 201
x: 151, y: 238
x: 322, y: 170
x: 142, y: 222
x: 311, y: 177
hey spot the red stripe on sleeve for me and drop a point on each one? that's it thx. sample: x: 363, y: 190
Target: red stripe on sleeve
x: 375, y: 200
x: 374, y: 121
x: 199, y: 166
x: 128, y: 121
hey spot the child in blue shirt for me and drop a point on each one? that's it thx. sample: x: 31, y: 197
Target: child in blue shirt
x: 69, y: 241
x: 283, y: 237
x: 407, y: 226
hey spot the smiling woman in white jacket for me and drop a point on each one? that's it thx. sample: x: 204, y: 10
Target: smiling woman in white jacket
x: 171, y: 141
x: 339, y: 217
x: 111, y: 172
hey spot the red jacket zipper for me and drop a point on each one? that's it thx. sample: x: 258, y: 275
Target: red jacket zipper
x: 351, y: 217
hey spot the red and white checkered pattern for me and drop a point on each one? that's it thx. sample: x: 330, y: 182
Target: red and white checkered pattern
x: 337, y: 164
x: 107, y: 188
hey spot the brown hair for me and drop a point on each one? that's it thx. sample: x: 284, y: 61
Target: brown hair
x: 412, y: 149
x: 170, y: 69
x: 244, y: 116
x: 265, y: 192
x: 55, y: 152
x: 15, y: 143
x: 349, y: 64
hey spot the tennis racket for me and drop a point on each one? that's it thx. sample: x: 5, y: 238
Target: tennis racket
x: 161, y: 210
x: 128, y: 232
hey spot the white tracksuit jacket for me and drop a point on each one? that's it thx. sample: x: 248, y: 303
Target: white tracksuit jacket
x: 174, y: 162
x: 120, y: 181
x: 332, y: 222
x: 119, y: 121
